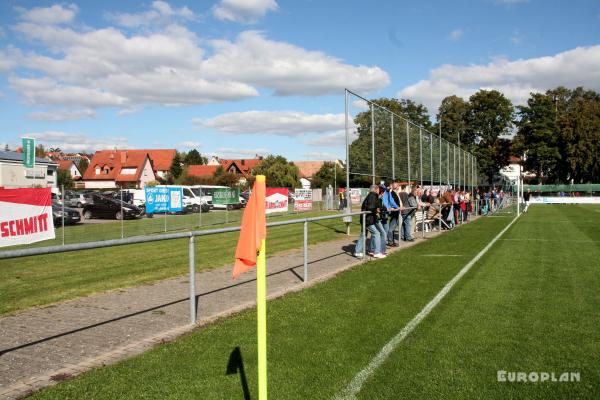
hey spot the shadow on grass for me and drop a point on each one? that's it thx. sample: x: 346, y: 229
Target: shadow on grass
x: 235, y: 365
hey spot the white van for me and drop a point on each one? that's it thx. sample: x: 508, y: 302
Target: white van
x: 192, y: 201
x: 206, y: 192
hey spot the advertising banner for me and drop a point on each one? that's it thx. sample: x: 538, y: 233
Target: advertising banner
x: 303, y: 199
x: 276, y: 200
x: 564, y: 200
x: 28, y: 152
x: 163, y: 199
x: 226, y: 196
x: 358, y: 195
x: 25, y: 216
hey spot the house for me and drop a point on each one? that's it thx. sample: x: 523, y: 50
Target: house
x: 308, y: 170
x: 109, y: 169
x: 71, y: 167
x: 240, y: 167
x: 511, y: 171
x: 14, y: 175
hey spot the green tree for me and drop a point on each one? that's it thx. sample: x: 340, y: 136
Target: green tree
x: 175, y: 170
x: 538, y: 136
x: 279, y: 172
x: 452, y: 115
x: 40, y: 151
x: 83, y: 165
x: 64, y: 179
x: 225, y: 178
x: 193, y: 157
x: 489, y: 117
x: 329, y: 174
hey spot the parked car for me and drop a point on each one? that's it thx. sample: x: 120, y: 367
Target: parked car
x: 77, y: 199
x: 106, y: 207
x: 71, y: 215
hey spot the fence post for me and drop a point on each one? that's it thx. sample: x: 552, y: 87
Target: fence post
x: 423, y: 223
x: 122, y: 215
x: 393, y: 151
x: 192, y: 262
x: 408, y: 149
x: 421, y: 155
x: 305, y: 251
x: 373, y: 142
x: 364, y: 233
x: 63, y: 214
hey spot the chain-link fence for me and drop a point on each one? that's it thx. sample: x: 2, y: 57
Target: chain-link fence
x: 382, y: 145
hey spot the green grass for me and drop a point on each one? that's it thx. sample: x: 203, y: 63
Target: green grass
x: 42, y: 280
x: 528, y: 305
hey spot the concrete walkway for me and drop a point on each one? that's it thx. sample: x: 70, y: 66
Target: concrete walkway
x: 42, y: 346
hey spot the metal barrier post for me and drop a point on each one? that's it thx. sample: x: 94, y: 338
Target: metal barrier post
x: 192, y: 262
x: 364, y: 233
x: 423, y: 223
x: 305, y: 251
x: 165, y: 219
x: 122, y: 215
x: 63, y: 214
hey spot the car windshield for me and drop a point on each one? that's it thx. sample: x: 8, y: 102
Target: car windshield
x: 196, y: 191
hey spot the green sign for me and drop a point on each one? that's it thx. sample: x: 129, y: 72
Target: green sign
x: 28, y: 152
x: 226, y: 196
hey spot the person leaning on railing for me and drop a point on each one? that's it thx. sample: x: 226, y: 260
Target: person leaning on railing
x: 370, y: 204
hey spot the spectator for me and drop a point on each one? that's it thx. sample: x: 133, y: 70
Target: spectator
x: 370, y: 204
x: 381, y: 224
x: 394, y: 207
x: 410, y: 208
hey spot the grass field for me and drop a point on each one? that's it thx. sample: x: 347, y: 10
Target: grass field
x: 530, y: 304
x: 41, y: 280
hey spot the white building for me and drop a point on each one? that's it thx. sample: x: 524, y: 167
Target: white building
x: 14, y: 175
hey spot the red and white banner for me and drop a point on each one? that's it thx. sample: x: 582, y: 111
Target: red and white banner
x: 303, y: 199
x: 276, y: 200
x: 25, y: 216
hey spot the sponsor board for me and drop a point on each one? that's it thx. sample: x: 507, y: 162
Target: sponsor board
x: 276, y: 200
x: 163, y: 199
x: 226, y: 196
x: 25, y: 216
x: 303, y: 199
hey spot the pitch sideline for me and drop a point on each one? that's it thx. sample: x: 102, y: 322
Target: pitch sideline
x: 354, y: 387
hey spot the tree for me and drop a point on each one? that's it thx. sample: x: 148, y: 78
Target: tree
x: 55, y: 150
x: 490, y: 116
x: 193, y: 157
x: 64, y: 178
x: 538, y: 136
x: 279, y: 172
x: 175, y: 170
x: 329, y: 174
x: 452, y: 115
x: 40, y: 151
x: 225, y: 178
x: 83, y: 165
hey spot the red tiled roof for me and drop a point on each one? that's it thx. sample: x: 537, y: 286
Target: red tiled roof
x: 245, y: 165
x: 202, y: 170
x: 113, y: 161
x: 65, y: 165
x: 308, y: 169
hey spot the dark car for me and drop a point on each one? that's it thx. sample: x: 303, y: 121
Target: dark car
x: 106, y: 207
x: 71, y: 215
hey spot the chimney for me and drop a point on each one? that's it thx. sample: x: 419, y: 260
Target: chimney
x: 243, y: 162
x: 123, y: 157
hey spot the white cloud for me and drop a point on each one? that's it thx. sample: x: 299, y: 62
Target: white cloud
x: 456, y: 35
x: 190, y: 144
x: 169, y: 66
x: 333, y: 139
x: 242, y: 152
x: 56, y: 14
x: 283, y: 123
x: 77, y: 141
x: 62, y: 115
x: 244, y: 11
x: 288, y: 69
x: 516, y: 79
x: 160, y: 12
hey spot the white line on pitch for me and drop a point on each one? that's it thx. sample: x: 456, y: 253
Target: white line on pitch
x: 552, y: 240
x: 359, y: 379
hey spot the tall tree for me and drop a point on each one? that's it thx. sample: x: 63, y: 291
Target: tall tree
x: 40, y: 151
x: 489, y: 117
x: 64, y: 179
x: 83, y: 165
x: 193, y: 157
x: 329, y: 174
x: 279, y: 172
x: 225, y: 178
x: 538, y: 136
x: 175, y: 170
x: 452, y: 116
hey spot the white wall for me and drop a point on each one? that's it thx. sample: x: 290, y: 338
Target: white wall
x: 14, y: 175
x: 100, y: 184
x: 147, y: 174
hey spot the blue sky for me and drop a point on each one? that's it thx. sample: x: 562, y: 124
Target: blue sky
x: 240, y: 77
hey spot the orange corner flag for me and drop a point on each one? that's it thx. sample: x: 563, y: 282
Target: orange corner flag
x: 253, y: 230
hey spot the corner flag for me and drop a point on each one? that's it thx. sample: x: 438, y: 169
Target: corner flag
x: 250, y: 252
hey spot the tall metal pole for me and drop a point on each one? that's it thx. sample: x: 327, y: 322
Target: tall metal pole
x: 348, y: 200
x: 305, y: 244
x: 192, y: 266
x: 440, y: 176
x: 408, y: 149
x: 447, y: 163
x: 431, y: 161
x: 63, y: 214
x: 393, y: 151
x: 459, y: 158
x: 421, y: 155
x: 373, y: 142
x: 454, y: 166
x: 122, y: 215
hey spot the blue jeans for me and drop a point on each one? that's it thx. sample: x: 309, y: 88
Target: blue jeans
x: 407, y: 226
x: 361, y: 239
x: 392, y: 225
x: 380, y: 246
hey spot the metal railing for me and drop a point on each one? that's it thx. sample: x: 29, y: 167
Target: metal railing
x: 181, y: 235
